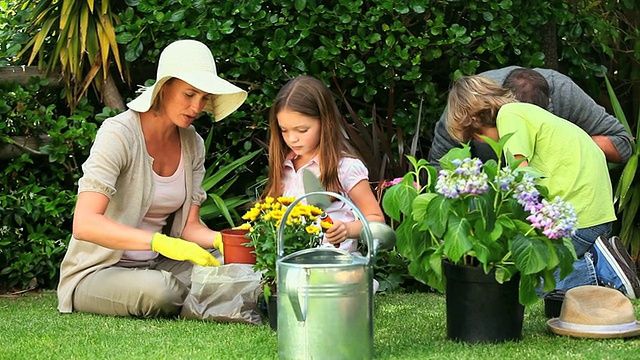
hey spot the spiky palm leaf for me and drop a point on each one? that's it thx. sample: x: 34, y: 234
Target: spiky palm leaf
x: 82, y: 39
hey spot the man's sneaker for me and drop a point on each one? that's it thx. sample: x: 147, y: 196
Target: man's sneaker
x: 619, y: 248
x: 612, y: 270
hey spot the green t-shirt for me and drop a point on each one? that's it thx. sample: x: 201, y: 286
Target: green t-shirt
x: 574, y: 166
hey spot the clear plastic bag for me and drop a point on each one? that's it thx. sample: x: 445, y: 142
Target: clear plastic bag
x: 226, y: 293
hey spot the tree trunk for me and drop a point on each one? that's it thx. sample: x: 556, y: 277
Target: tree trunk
x: 110, y: 95
x: 550, y: 45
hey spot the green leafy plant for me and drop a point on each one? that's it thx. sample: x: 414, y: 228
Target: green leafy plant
x: 84, y: 44
x: 37, y: 196
x: 303, y: 230
x: 218, y: 181
x: 483, y: 215
x: 627, y: 194
x: 216, y: 184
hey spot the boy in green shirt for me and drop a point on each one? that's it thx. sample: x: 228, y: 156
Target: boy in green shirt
x: 574, y: 167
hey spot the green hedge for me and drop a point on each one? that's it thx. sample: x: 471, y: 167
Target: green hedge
x: 389, y: 59
x: 391, y: 62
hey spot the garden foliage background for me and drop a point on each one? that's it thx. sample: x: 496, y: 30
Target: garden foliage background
x: 389, y: 63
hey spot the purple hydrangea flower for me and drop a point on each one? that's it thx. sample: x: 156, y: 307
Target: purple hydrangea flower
x: 505, y: 179
x: 467, y: 178
x: 556, y: 218
x: 526, y: 193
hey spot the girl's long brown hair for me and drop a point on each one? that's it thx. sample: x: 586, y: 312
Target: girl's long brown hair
x: 311, y: 97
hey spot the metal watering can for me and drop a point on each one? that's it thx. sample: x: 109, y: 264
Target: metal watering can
x: 325, y: 295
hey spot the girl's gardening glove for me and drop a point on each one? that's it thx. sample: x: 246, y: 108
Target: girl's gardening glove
x: 217, y: 243
x: 178, y: 249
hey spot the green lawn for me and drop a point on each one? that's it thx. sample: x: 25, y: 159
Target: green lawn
x: 407, y: 326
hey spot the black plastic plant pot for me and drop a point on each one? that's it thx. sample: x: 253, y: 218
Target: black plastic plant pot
x: 479, y: 309
x: 272, y: 311
x: 553, y: 303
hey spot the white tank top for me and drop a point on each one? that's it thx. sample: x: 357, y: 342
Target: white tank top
x: 169, y: 196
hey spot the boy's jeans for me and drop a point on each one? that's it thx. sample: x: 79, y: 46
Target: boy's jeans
x: 584, y: 272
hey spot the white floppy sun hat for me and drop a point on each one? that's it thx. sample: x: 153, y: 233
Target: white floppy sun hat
x: 192, y: 62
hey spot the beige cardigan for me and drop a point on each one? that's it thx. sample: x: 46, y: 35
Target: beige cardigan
x: 120, y: 168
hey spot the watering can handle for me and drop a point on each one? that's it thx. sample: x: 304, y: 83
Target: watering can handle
x: 294, y: 296
x: 366, y: 231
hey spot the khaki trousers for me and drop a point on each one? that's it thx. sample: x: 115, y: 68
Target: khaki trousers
x: 155, y: 288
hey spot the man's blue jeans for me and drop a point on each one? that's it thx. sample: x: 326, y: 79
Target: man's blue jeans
x: 584, y: 272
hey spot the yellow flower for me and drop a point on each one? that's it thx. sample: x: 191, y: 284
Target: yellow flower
x: 326, y: 225
x: 316, y: 211
x: 302, y: 230
x: 304, y: 210
x: 313, y: 230
x: 302, y: 225
x: 286, y: 201
x: 252, y: 214
x: 295, y: 213
x: 277, y: 214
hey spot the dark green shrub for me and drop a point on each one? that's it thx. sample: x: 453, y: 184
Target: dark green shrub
x: 389, y: 63
x: 37, y: 192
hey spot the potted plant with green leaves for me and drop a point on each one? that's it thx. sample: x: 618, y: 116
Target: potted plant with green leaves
x: 304, y: 229
x: 484, y: 222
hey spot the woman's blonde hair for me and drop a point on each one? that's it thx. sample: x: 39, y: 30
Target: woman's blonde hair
x: 473, y: 103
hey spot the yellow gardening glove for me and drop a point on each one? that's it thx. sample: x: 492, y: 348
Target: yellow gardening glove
x: 217, y: 243
x: 178, y: 249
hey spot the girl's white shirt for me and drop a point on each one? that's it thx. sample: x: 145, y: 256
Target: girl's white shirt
x: 350, y: 172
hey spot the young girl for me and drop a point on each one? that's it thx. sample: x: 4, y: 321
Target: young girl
x: 573, y: 165
x: 306, y: 132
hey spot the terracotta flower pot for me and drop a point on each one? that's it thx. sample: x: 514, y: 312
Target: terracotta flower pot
x: 234, y: 249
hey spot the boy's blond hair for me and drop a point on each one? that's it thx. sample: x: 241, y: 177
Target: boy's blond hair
x: 473, y: 104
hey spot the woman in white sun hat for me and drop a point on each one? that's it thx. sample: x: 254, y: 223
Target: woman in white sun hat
x: 136, y: 227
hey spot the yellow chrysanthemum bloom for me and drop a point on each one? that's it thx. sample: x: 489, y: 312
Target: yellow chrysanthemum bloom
x: 286, y: 201
x: 295, y: 213
x: 312, y: 229
x: 277, y: 214
x: 265, y: 206
x: 251, y: 215
x: 304, y: 210
x: 326, y: 225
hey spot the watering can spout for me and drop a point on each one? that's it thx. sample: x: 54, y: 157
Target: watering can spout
x: 383, y: 235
